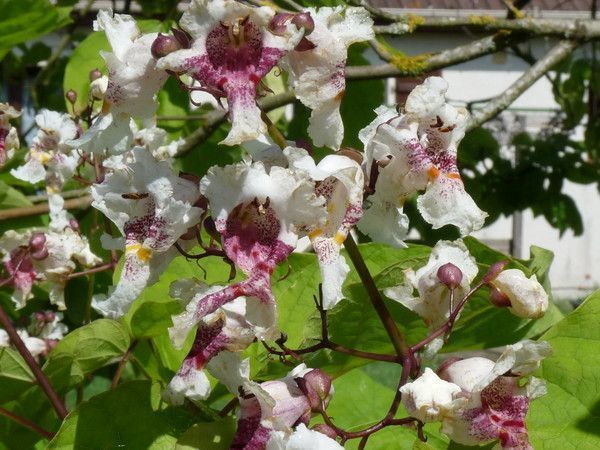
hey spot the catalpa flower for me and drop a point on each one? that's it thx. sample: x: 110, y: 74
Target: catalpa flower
x: 269, y: 411
x: 152, y: 208
x: 133, y: 81
x: 525, y: 297
x: 259, y: 212
x: 497, y: 402
x: 156, y: 141
x: 317, y: 72
x: 230, y: 329
x: 9, y: 139
x: 50, y: 158
x: 231, y: 51
x: 433, y: 303
x: 43, y: 333
x: 340, y: 181
x: 47, y: 256
x: 417, y: 151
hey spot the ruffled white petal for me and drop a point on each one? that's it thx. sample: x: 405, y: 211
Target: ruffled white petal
x: 527, y: 296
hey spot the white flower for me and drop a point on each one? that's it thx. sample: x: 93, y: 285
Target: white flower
x: 152, y: 208
x: 527, y: 297
x: 51, y: 263
x: 340, y: 182
x: 417, y: 151
x: 259, y: 211
x: 156, y: 141
x: 317, y: 75
x: 9, y: 138
x: 496, y: 402
x: 433, y: 303
x: 429, y: 398
x: 133, y: 81
x: 231, y: 51
x: 4, y: 339
x: 50, y: 158
x: 302, y: 439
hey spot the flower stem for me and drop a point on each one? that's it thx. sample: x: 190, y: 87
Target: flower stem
x: 274, y: 132
x: 40, y: 376
x: 390, y: 326
x: 26, y: 423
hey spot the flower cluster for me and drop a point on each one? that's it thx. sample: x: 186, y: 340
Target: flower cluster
x: 41, y: 336
x: 256, y: 211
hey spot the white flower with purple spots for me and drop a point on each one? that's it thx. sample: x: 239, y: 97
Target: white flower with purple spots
x: 49, y: 256
x: 302, y: 438
x: 259, y: 211
x: 340, y: 181
x: 433, y: 303
x: 9, y: 139
x: 152, y: 208
x: 417, y: 151
x: 133, y: 81
x: 317, y: 74
x: 497, y: 402
x: 50, y: 159
x: 230, y: 329
x: 231, y: 51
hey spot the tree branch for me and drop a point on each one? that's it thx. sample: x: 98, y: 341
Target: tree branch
x: 13, y: 213
x: 566, y: 28
x: 535, y: 72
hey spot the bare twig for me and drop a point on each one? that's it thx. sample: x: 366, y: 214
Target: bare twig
x: 122, y: 363
x: 13, y: 213
x: 26, y: 423
x: 501, y: 102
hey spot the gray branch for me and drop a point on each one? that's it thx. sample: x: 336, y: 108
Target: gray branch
x: 535, y: 72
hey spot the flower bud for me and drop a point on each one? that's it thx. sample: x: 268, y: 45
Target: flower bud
x: 165, y: 44
x: 465, y: 373
x: 494, y: 270
x: 526, y: 296
x: 71, y: 96
x: 182, y: 37
x: 316, y: 385
x: 326, y: 430
x: 74, y: 225
x: 450, y: 275
x: 304, y: 45
x: 37, y: 241
x: 304, y: 20
x: 49, y: 316
x: 95, y: 74
x: 498, y: 298
x: 39, y: 318
x: 351, y: 153
x: 98, y: 88
x: 38, y: 255
x: 278, y: 24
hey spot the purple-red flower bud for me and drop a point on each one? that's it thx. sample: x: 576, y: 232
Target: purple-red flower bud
x: 304, y: 45
x: 71, y: 96
x: 95, y: 74
x: 40, y: 254
x: 37, y: 241
x: 278, y: 24
x: 304, y: 20
x: 182, y: 37
x: 74, y: 225
x: 316, y: 385
x: 450, y: 275
x: 499, y: 298
x: 164, y: 44
x: 494, y: 271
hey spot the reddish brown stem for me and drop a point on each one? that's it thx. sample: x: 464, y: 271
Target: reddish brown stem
x: 40, y: 376
x: 26, y: 423
x: 122, y: 363
x: 101, y: 268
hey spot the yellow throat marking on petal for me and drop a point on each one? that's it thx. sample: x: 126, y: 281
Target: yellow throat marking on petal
x: 454, y: 175
x: 143, y: 253
x: 314, y: 234
x: 339, y: 238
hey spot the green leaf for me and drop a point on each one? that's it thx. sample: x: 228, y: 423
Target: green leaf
x: 15, y: 375
x: 25, y: 20
x: 84, y: 350
x: 568, y: 416
x: 216, y: 435
x: 131, y: 416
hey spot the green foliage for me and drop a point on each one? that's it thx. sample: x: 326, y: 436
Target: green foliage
x: 572, y: 375
x: 25, y: 20
x: 104, y: 422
